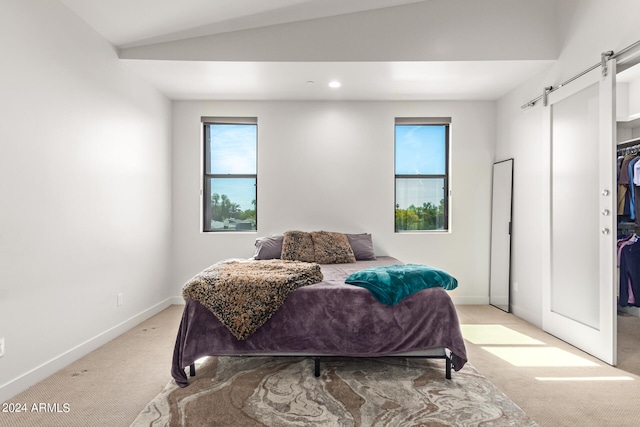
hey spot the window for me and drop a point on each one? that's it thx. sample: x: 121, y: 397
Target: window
x: 422, y: 174
x: 230, y: 173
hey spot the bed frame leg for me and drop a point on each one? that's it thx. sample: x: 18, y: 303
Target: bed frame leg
x: 316, y: 370
x: 192, y: 370
x: 448, y: 368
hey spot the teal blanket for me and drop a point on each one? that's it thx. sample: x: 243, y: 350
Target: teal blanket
x: 390, y: 284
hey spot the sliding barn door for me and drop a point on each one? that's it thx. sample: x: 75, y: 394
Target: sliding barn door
x: 579, y: 298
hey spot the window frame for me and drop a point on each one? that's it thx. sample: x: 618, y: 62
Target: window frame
x: 206, y: 177
x: 424, y: 121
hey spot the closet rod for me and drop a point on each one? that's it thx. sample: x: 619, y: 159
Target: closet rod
x: 605, y: 56
x: 628, y: 144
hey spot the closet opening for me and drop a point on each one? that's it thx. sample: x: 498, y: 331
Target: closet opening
x: 628, y: 214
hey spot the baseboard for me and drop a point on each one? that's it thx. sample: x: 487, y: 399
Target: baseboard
x: 177, y: 301
x: 470, y: 300
x: 634, y: 311
x: 37, y: 374
x: 527, y: 316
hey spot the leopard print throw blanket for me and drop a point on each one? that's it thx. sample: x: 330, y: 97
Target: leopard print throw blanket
x: 244, y: 294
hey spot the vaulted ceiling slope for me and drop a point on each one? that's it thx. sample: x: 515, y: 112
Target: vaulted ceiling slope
x: 380, y: 49
x: 133, y: 22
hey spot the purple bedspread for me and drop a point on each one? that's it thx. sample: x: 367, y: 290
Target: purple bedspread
x: 329, y: 318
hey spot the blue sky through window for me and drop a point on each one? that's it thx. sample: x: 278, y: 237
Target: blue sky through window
x: 233, y: 151
x: 420, y: 150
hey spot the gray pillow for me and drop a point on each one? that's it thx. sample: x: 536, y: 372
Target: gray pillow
x: 362, y: 246
x: 268, y: 247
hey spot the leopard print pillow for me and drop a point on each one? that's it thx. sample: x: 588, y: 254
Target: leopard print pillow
x: 297, y: 246
x: 332, y: 248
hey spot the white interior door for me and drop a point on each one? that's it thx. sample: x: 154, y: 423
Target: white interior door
x: 579, y: 298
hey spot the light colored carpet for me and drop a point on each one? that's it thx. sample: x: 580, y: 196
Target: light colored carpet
x: 110, y: 386
x: 561, y: 386
x: 281, y: 392
x: 629, y: 343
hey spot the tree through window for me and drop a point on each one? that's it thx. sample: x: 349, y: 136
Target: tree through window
x: 421, y: 174
x: 230, y: 173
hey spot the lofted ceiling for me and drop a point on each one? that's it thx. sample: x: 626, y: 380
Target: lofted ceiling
x: 291, y: 49
x: 131, y: 22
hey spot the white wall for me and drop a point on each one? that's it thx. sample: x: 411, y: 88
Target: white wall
x: 590, y: 27
x: 634, y: 98
x: 84, y: 192
x: 329, y: 166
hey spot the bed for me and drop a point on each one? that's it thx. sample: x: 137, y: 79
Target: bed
x: 331, y: 318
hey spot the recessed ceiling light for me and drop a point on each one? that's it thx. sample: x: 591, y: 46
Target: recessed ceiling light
x: 335, y: 84
x: 310, y: 82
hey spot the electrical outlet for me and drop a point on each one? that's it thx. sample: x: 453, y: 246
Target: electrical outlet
x: 120, y: 299
x: 1, y: 346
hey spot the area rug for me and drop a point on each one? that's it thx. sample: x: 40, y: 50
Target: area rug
x: 282, y: 391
